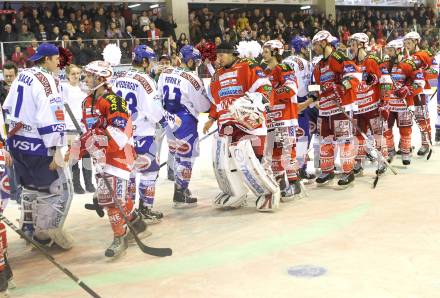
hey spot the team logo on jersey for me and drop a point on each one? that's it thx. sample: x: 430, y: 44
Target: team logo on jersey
x: 300, y: 132
x: 4, y: 184
x: 228, y: 91
x: 183, y: 147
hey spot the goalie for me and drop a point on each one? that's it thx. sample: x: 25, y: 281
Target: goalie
x: 240, y: 91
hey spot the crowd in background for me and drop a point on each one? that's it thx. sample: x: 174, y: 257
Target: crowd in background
x: 85, y: 29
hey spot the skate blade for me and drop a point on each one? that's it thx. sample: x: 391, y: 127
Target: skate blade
x: 184, y: 205
x: 323, y: 184
x: 152, y: 221
x: 342, y: 187
x: 116, y: 257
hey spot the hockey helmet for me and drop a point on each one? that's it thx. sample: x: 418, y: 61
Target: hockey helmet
x: 189, y: 52
x: 299, y: 42
x: 322, y: 35
x: 143, y: 51
x: 412, y: 35
x: 100, y: 68
x: 360, y: 37
x: 275, y: 46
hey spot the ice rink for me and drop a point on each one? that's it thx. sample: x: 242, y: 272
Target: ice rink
x: 358, y: 242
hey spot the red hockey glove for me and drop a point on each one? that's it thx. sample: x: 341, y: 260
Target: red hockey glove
x: 384, y: 112
x: 403, y: 92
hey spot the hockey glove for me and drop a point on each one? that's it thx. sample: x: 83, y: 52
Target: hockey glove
x: 371, y: 79
x: 403, y: 92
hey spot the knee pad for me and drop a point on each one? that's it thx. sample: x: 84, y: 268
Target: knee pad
x: 119, y: 187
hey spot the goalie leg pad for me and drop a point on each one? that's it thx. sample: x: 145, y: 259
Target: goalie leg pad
x: 252, y: 172
x: 229, y: 180
x: 28, y: 201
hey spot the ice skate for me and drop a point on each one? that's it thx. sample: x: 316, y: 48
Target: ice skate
x: 148, y: 215
x: 424, y: 149
x: 325, y: 178
x: 118, y: 247
x: 346, y: 180
x: 182, y: 199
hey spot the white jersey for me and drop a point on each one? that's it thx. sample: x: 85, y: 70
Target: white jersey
x: 182, y: 91
x: 73, y: 96
x: 303, y: 73
x: 35, y: 101
x: 139, y: 91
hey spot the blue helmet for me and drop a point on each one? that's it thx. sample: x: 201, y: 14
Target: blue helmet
x: 143, y: 51
x: 299, y: 42
x: 189, y: 52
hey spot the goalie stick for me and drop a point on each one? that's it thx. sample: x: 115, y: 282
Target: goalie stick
x: 49, y: 257
x: 158, y: 252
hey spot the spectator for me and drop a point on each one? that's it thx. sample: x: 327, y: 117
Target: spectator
x: 182, y: 41
x: 242, y: 22
x: 30, y: 50
x: 125, y: 52
x: 56, y: 34
x: 70, y: 30
x: 127, y: 14
x: 18, y: 57
x: 144, y: 20
x: 42, y: 34
x: 8, y: 36
x: 95, y: 51
x: 25, y: 35
x: 48, y: 20
x: 82, y: 32
x: 61, y: 19
x: 101, y: 18
x: 169, y: 27
x: 113, y: 32
x: 153, y: 33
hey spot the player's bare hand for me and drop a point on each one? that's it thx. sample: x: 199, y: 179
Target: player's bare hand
x: 208, y: 125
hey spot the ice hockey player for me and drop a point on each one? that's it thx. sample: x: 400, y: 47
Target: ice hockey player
x: 108, y: 140
x: 367, y: 115
x: 240, y: 91
x: 35, y: 111
x: 183, y: 96
x: 339, y: 79
x: 139, y: 90
x: 401, y: 81
x: 282, y: 121
x: 5, y: 268
x: 423, y: 59
x: 306, y: 109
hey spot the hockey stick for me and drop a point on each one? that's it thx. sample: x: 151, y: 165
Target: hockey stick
x: 378, y: 163
x: 205, y: 137
x: 49, y: 257
x: 158, y: 252
x: 365, y: 137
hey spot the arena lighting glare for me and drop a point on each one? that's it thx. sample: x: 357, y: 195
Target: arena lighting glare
x: 154, y: 6
x: 134, y: 5
x: 305, y: 7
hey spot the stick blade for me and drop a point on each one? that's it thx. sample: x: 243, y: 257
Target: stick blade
x: 429, y: 154
x: 375, y: 181
x: 157, y: 252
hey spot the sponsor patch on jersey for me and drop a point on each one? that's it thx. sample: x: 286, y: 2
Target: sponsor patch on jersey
x: 144, y: 83
x: 349, y: 68
x: 191, y: 79
x: 419, y: 76
x: 228, y: 82
x: 58, y: 113
x: 228, y: 91
x: 228, y: 75
x: 183, y: 147
x: 328, y: 76
x: 260, y: 74
x: 45, y: 82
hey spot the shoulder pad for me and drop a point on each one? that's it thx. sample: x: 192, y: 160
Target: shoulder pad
x: 430, y: 54
x: 285, y: 67
x: 251, y: 62
x: 410, y: 62
x: 375, y: 58
x: 339, y: 56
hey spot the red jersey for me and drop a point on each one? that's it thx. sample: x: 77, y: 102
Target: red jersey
x: 284, y: 111
x: 330, y: 73
x: 424, y: 59
x: 397, y: 75
x: 228, y: 84
x: 367, y: 98
x: 110, y: 113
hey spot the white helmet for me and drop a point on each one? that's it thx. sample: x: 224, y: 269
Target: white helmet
x: 100, y: 68
x: 322, y: 35
x: 396, y: 44
x: 274, y: 45
x: 360, y: 37
x: 412, y: 35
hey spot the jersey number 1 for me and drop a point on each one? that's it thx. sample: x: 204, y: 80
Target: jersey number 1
x: 19, y: 101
